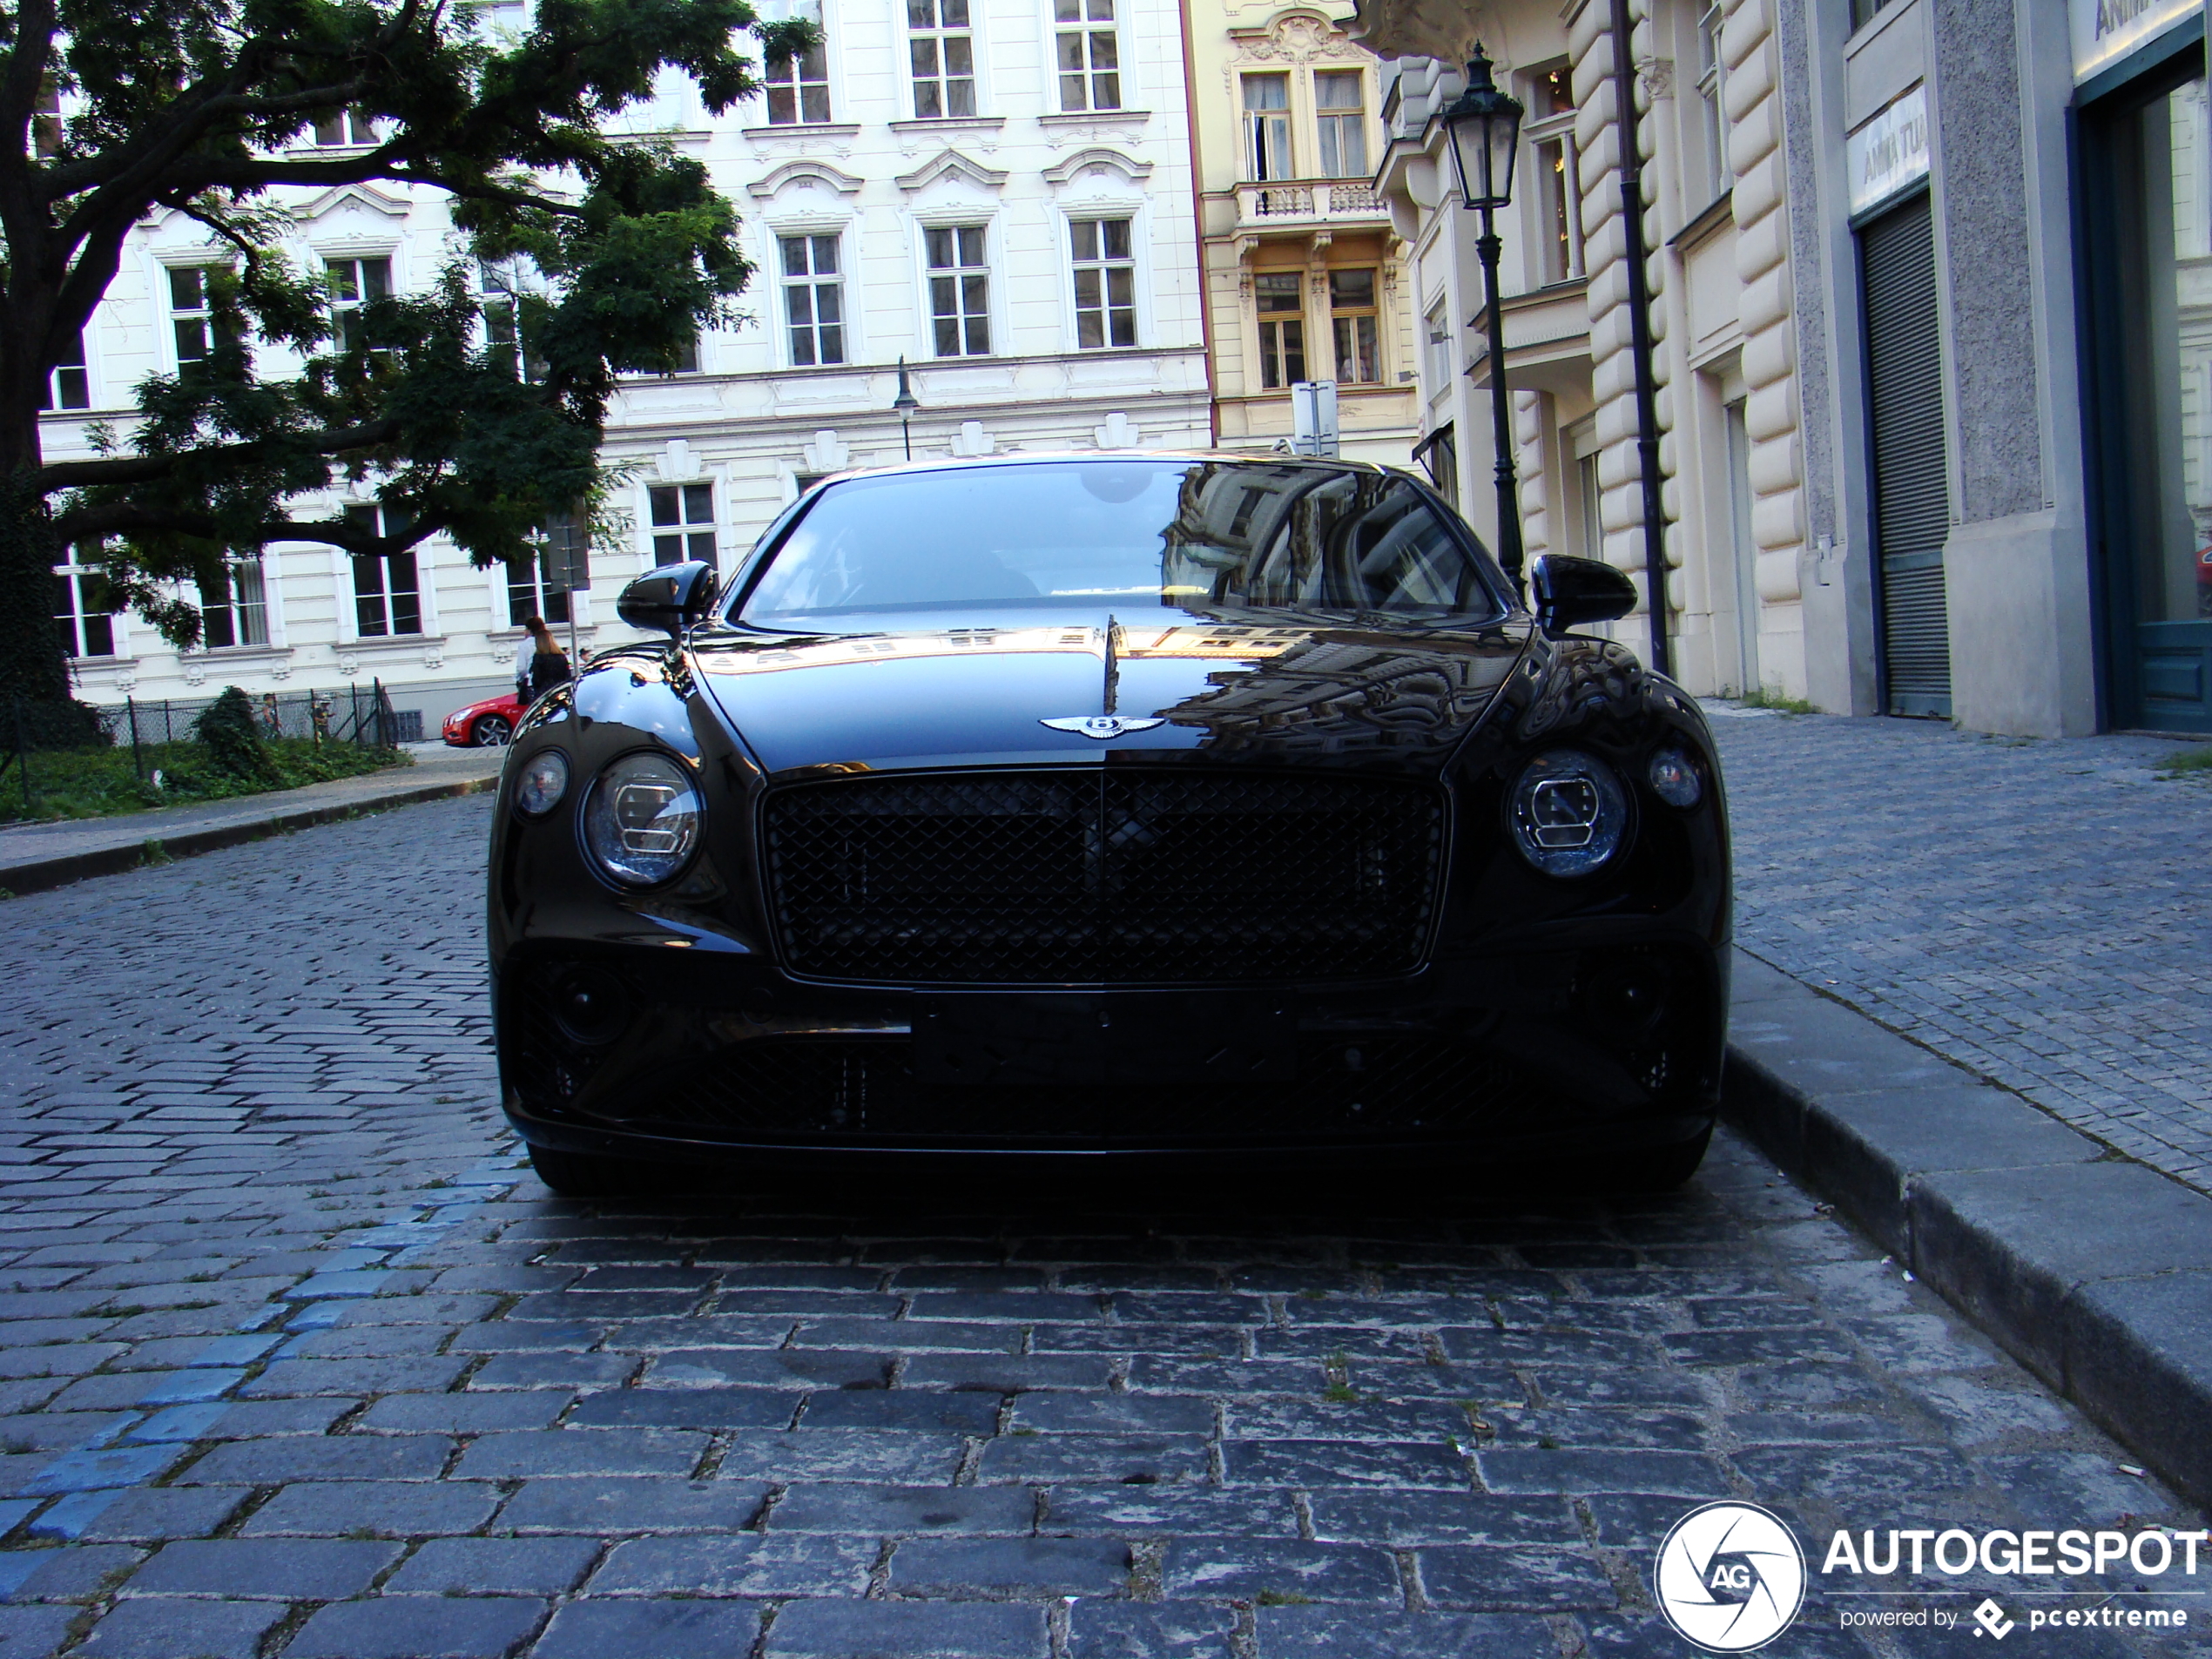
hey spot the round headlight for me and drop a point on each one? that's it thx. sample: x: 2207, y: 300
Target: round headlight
x: 641, y: 820
x: 1570, y: 813
x: 1675, y: 780
x: 543, y: 780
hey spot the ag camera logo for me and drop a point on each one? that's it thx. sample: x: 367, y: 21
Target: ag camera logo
x: 1731, y: 1577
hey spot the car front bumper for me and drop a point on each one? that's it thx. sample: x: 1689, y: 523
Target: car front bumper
x: 682, y: 1054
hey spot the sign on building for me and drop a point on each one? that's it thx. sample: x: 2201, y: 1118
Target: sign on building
x: 2106, y: 30
x: 1889, y: 152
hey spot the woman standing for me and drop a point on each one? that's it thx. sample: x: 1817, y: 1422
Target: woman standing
x: 549, y: 663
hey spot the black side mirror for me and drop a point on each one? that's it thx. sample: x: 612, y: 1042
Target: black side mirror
x: 1570, y: 591
x: 670, y: 599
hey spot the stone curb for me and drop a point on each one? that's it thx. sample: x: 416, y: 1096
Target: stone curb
x: 36, y: 875
x: 2092, y: 1271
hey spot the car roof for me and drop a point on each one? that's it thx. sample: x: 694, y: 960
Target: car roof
x: 1092, y: 457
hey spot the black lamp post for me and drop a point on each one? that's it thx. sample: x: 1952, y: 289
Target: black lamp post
x: 1483, y: 127
x: 905, y: 406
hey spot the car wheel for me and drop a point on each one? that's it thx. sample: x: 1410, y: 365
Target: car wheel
x: 1662, y: 1169
x: 577, y: 1175
x: 491, y: 731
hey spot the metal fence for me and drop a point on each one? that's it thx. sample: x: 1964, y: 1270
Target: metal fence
x: 354, y: 714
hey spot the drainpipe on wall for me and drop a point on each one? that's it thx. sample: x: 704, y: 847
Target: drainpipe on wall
x: 1655, y: 522
x: 1198, y: 230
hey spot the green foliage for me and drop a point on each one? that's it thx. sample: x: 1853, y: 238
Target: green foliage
x: 1767, y: 696
x: 2190, y: 763
x: 474, y: 409
x: 100, y: 783
x: 233, y: 738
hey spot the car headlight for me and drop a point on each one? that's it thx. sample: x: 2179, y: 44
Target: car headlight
x: 641, y: 821
x: 1675, y: 780
x: 1570, y: 813
x: 543, y: 780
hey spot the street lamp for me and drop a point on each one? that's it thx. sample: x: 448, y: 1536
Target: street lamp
x: 905, y: 406
x: 1483, y: 128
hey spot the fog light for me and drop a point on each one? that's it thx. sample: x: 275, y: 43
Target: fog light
x: 591, y: 1006
x: 544, y: 779
x: 1675, y: 780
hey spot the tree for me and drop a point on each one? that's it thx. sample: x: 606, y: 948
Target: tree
x: 479, y: 420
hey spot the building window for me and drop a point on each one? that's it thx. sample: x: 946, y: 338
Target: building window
x: 682, y: 522
x: 1267, y: 127
x: 814, y: 299
x: 191, y: 321
x: 353, y: 283
x: 69, y: 383
x: 1558, y: 225
x: 388, y: 590
x: 942, y: 52
x: 797, y: 88
x: 504, y: 283
x: 1437, y: 329
x: 1091, y: 58
x: 1105, y: 283
x: 348, y: 127
x: 1282, y: 328
x: 85, y: 631
x: 46, y: 120
x: 1357, y: 326
x: 1439, y: 454
x: 1712, y: 88
x: 235, y: 610
x: 1341, y: 115
x: 527, y: 595
x: 960, y: 291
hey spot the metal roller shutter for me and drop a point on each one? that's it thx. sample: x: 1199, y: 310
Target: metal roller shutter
x: 1912, y: 497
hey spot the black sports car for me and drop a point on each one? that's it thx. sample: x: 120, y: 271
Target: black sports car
x: 1140, y: 807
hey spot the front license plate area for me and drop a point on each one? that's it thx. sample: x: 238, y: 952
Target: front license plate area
x: 1065, y: 1038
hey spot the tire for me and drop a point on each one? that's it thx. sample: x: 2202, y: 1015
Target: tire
x: 1661, y: 1169
x: 577, y: 1175
x: 491, y: 731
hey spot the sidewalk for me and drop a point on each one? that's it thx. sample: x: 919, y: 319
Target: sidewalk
x: 36, y: 856
x: 1972, y: 1010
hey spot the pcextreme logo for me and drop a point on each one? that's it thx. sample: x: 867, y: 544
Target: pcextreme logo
x: 1731, y: 1577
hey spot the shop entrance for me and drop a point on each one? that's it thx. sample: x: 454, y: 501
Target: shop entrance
x: 2148, y: 225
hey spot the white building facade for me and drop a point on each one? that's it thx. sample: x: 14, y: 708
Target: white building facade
x: 998, y: 192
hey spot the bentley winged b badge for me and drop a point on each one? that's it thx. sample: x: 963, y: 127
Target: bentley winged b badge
x: 1101, y: 726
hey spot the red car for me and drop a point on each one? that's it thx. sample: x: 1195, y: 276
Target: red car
x: 487, y: 725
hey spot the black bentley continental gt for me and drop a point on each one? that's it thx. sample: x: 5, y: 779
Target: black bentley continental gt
x: 1160, y: 809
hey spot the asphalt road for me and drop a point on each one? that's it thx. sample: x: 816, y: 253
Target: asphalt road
x: 296, y: 1357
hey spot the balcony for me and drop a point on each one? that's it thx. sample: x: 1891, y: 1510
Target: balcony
x: 1305, y: 205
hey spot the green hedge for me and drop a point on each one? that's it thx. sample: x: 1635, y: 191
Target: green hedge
x: 96, y: 783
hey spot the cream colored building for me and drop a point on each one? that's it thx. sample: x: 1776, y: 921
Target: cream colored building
x: 1710, y: 131
x: 998, y: 193
x: 1305, y: 274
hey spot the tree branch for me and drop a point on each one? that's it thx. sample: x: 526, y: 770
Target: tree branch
x: 138, y: 470
x: 119, y: 518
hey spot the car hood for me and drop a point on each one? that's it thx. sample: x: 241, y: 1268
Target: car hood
x: 1241, y: 686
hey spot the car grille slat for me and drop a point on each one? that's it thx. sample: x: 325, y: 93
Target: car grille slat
x: 1101, y: 877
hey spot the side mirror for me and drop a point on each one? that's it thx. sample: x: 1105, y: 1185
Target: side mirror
x: 1570, y: 591
x: 670, y: 599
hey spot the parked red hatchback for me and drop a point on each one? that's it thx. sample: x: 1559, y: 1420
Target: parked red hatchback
x: 487, y: 725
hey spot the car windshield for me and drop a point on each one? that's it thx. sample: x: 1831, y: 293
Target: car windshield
x: 1185, y: 534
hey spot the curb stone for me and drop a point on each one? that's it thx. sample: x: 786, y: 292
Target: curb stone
x: 36, y: 875
x: 2092, y: 1271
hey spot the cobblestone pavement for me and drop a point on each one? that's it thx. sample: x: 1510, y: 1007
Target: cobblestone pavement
x: 2037, y: 910
x: 295, y: 1359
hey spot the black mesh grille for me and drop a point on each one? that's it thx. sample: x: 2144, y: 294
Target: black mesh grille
x: 1100, y: 877
x: 858, y: 1090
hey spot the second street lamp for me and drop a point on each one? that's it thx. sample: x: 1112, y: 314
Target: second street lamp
x: 1483, y: 128
x: 906, y: 406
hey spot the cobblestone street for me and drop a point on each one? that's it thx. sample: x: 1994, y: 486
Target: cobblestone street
x: 299, y: 1359
x: 2033, y: 910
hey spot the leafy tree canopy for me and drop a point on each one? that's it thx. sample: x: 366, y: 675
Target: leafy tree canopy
x: 208, y: 108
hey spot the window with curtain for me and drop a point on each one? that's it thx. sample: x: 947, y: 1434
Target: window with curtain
x: 235, y: 610
x: 1340, y: 118
x: 1267, y: 127
x: 1358, y: 326
x: 1279, y: 295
